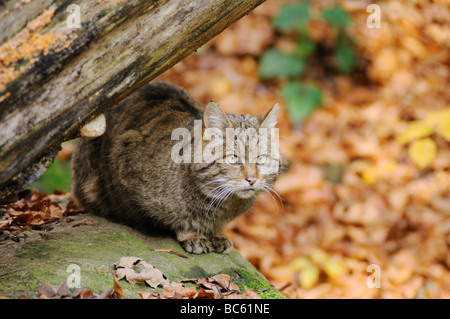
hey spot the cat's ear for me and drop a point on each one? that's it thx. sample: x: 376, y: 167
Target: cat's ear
x: 269, y: 119
x: 215, y: 117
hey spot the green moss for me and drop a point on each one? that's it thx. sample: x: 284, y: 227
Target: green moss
x: 262, y: 287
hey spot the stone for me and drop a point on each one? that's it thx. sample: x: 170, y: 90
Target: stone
x: 87, y: 253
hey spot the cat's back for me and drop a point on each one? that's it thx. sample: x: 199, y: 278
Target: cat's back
x: 160, y: 102
x: 134, y: 145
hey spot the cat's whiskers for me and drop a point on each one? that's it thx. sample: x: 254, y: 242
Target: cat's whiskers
x: 218, y: 199
x: 215, y: 189
x: 210, y: 182
x: 269, y: 190
x: 224, y: 198
x: 224, y: 195
x: 273, y: 191
x: 212, y: 191
x: 218, y: 191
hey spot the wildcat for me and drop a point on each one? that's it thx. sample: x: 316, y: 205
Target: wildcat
x: 129, y: 171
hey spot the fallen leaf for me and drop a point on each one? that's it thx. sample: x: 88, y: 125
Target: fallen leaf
x: 72, y: 209
x: 320, y: 257
x: 45, y: 290
x: 334, y: 268
x: 225, y: 282
x: 63, y: 290
x: 299, y: 263
x: 148, y: 295
x: 154, y: 277
x: 78, y: 292
x: 415, y: 130
x: 126, y: 268
x: 87, y: 294
x: 179, y: 292
x: 422, y: 152
x: 118, y: 290
x: 127, y: 262
x: 4, y: 224
x: 206, y: 294
x: 220, y: 286
x: 309, y: 276
x: 248, y: 294
x: 107, y: 294
x: 443, y: 129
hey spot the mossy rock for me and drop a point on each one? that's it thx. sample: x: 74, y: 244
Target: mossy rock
x: 96, y: 245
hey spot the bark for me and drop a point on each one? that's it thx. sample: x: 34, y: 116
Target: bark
x: 55, y: 77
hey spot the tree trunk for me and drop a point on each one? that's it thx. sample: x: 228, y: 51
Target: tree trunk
x: 56, y: 75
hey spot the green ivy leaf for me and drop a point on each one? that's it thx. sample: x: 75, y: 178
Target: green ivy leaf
x: 345, y: 53
x: 301, y: 100
x: 274, y: 63
x: 305, y: 47
x: 337, y: 17
x: 345, y: 58
x: 292, y: 16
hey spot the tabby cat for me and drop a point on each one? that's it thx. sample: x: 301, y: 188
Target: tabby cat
x: 130, y: 172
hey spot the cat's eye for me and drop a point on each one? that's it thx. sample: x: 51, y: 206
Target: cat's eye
x: 261, y: 159
x: 232, y: 159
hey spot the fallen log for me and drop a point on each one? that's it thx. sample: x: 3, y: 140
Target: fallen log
x: 64, y: 62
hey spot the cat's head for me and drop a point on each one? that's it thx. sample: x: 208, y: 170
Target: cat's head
x: 250, y: 161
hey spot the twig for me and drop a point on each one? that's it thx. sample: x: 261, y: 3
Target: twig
x: 99, y: 270
x: 171, y: 252
x: 80, y: 223
x: 285, y: 286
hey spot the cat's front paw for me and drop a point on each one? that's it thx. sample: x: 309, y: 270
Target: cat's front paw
x: 197, y: 245
x: 221, y: 244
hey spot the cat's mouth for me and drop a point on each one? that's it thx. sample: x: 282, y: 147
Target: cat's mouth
x: 246, y: 192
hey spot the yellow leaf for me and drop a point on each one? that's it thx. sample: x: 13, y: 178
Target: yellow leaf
x: 437, y: 117
x: 308, y: 276
x: 372, y: 173
x: 415, y: 130
x: 422, y: 152
x: 443, y: 130
x: 440, y: 120
x: 334, y: 268
x: 299, y: 263
x: 388, y: 167
x: 320, y: 257
x: 369, y: 175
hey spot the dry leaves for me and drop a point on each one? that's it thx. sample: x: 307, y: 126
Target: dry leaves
x: 47, y: 292
x: 128, y: 268
x: 136, y: 271
x: 35, y: 211
x: 220, y: 286
x: 369, y: 181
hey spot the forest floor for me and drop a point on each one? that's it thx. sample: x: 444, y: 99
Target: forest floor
x: 359, y: 200
x: 366, y: 200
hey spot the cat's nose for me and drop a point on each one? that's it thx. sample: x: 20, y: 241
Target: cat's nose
x: 251, y: 180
